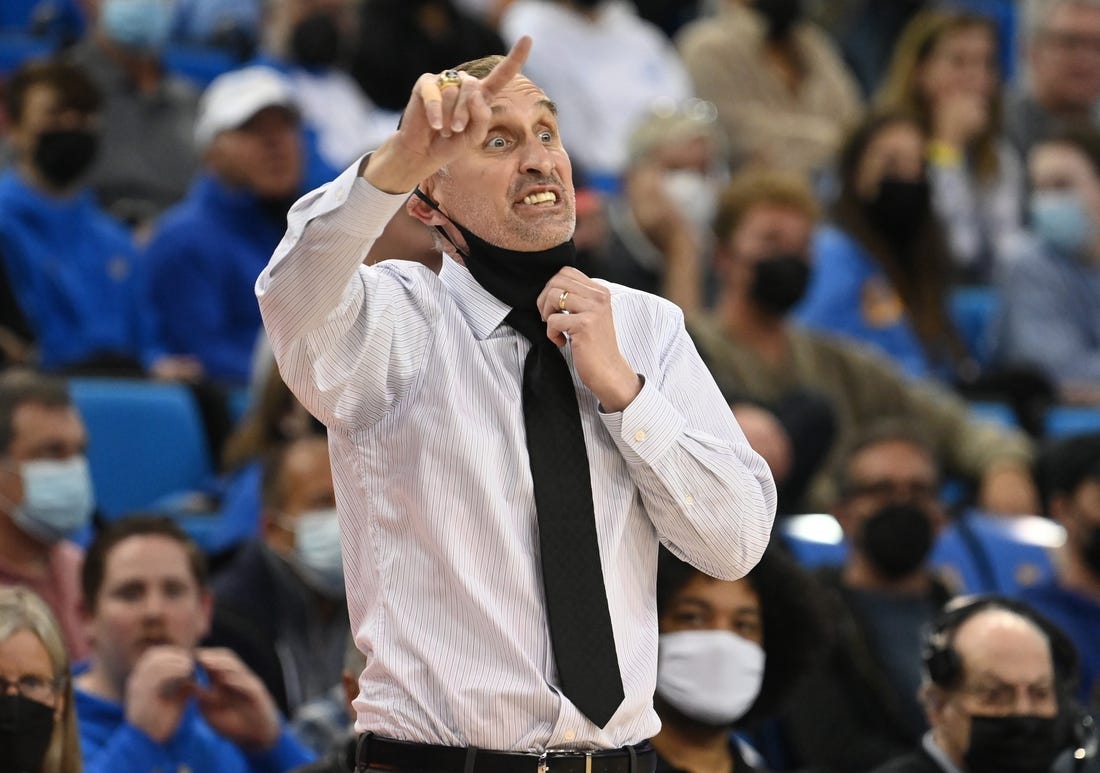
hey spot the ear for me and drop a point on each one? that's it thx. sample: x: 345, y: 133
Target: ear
x: 933, y: 698
x: 206, y: 609
x: 419, y: 209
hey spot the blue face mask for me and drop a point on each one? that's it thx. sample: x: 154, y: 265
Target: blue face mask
x: 143, y: 25
x: 1060, y: 219
x: 57, y: 498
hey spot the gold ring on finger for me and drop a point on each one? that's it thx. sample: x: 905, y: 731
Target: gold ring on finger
x: 448, y: 78
x: 561, y: 300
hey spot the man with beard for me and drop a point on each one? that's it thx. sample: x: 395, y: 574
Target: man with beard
x: 511, y: 440
x: 879, y: 601
x: 993, y: 691
x: 764, y: 230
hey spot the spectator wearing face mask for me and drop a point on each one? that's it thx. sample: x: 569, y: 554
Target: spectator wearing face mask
x: 730, y: 653
x: 295, y: 640
x: 676, y: 169
x: 1051, y: 294
x: 784, y: 94
x: 878, y: 603
x: 69, y: 274
x: 38, y: 731
x: 147, y: 158
x: 45, y: 496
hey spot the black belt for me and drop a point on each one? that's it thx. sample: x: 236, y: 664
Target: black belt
x: 374, y: 751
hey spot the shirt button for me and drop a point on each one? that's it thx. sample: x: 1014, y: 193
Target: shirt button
x: 689, y: 500
x: 640, y: 436
x: 570, y: 735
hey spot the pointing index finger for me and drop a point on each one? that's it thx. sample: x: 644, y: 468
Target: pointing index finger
x: 503, y: 73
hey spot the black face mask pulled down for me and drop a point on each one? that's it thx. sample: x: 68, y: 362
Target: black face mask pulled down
x: 26, y: 728
x: 899, y: 209
x: 781, y: 16
x: 515, y: 277
x: 779, y: 282
x: 897, y: 539
x: 315, y: 41
x: 63, y: 155
x: 1011, y: 744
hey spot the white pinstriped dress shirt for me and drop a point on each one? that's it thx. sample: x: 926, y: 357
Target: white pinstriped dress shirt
x: 419, y: 384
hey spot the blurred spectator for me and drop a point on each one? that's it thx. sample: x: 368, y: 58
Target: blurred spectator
x: 882, y: 269
x: 295, y: 641
x: 230, y: 25
x: 676, y: 168
x: 1071, y: 486
x: 45, y: 495
x: 398, y: 40
x: 68, y: 271
x: 327, y: 724
x: 604, y: 67
x: 147, y: 158
x: 1051, y: 295
x: 730, y: 654
x: 764, y: 226
x: 38, y: 732
x: 944, y: 71
x: 990, y: 692
x: 878, y: 603
x: 60, y: 20
x: 207, y: 251
x: 309, y: 41
x: 784, y: 96
x: 1062, y: 83
x: 866, y: 31
x: 150, y: 699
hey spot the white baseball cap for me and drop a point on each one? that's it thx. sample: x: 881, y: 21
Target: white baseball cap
x: 234, y: 97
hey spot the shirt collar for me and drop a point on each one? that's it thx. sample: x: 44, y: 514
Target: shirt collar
x: 933, y: 750
x: 483, y: 311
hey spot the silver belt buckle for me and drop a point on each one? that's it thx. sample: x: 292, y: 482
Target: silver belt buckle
x: 544, y: 761
x: 543, y: 767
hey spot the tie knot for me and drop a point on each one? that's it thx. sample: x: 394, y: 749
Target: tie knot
x: 529, y: 324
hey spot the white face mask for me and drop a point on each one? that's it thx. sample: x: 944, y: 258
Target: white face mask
x: 57, y: 498
x: 695, y: 196
x: 317, y: 548
x: 709, y: 676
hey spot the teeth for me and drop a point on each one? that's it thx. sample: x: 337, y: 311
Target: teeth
x: 540, y: 198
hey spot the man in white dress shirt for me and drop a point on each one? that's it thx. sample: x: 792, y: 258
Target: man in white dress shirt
x: 420, y: 381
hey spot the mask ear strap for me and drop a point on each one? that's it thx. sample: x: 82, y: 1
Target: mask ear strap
x: 439, y: 229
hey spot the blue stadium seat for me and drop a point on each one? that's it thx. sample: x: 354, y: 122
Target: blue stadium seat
x: 814, y: 539
x: 19, y: 47
x: 998, y: 413
x: 1065, y: 420
x: 974, y: 311
x: 198, y: 63
x: 146, y: 441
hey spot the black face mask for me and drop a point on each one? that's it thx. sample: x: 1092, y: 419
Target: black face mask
x: 515, y: 277
x: 779, y: 282
x: 780, y: 16
x: 899, y: 209
x: 1012, y: 744
x: 315, y: 41
x: 63, y: 155
x: 1090, y: 552
x: 26, y: 728
x: 897, y: 539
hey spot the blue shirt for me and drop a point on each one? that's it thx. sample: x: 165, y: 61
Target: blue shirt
x: 109, y: 744
x: 74, y: 270
x: 1079, y: 618
x: 1051, y: 315
x: 203, y: 263
x: 851, y: 296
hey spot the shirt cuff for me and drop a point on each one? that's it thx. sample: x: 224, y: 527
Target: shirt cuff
x: 132, y: 743
x: 646, y: 429
x: 288, y: 752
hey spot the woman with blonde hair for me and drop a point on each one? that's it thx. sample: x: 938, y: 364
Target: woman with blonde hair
x: 38, y: 731
x: 944, y: 72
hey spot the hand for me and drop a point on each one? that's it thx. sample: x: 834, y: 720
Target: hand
x: 236, y: 704
x: 767, y: 437
x: 440, y: 125
x: 176, y: 368
x: 959, y: 117
x: 1008, y: 489
x: 158, y: 689
x: 590, y: 330
x: 657, y: 216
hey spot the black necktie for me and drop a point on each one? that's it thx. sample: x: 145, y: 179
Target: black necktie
x: 576, y: 599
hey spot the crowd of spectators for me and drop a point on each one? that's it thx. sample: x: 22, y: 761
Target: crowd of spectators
x: 817, y: 184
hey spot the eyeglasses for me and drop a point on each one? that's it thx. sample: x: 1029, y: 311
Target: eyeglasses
x: 35, y: 688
